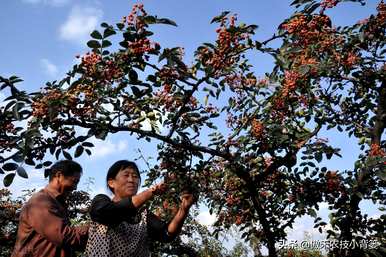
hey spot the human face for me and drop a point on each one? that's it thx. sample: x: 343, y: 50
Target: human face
x: 67, y: 184
x: 125, y: 184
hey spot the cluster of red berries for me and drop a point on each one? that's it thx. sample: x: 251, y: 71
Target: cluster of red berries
x: 89, y: 63
x: 257, y: 129
x: 141, y: 46
x: 328, y: 3
x: 132, y: 18
x: 40, y: 105
x: 376, y: 151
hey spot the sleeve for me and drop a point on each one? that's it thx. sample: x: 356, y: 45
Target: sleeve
x: 158, y: 230
x: 107, y: 212
x: 45, y: 218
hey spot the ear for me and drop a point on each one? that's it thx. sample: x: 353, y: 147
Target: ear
x: 111, y: 183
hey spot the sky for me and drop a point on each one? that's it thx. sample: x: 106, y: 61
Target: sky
x: 40, y: 39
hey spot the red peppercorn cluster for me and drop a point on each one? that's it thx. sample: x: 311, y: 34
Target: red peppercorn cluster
x: 328, y: 3
x: 41, y: 105
x: 89, y: 63
x: 229, y: 42
x: 141, y: 46
x: 376, y: 151
x: 133, y: 20
x: 257, y: 129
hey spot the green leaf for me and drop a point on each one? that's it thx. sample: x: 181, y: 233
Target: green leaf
x: 16, y: 109
x: 47, y: 163
x: 106, y: 43
x: 359, y: 194
x: 251, y: 29
x: 258, y: 45
x: 18, y: 157
x: 120, y: 26
x: 318, y: 156
x: 8, y: 179
x: 219, y: 17
x: 67, y: 155
x: 128, y: 36
x: 311, y: 8
x: 78, y: 151
x: 166, y: 21
x: 87, y: 144
x: 136, y: 91
x: 93, y: 44
x: 299, y: 2
x: 15, y: 79
x: 311, y: 164
x: 148, y: 19
x: 11, y: 103
x: 109, y: 32
x: 124, y: 44
x: 133, y: 76
x: 151, y: 78
x: 88, y: 151
x: 10, y: 166
x: 47, y: 172
x: 312, y: 213
x: 29, y: 161
x: 21, y: 172
x: 96, y: 34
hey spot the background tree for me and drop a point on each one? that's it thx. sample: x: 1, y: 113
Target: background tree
x: 221, y: 130
x: 8, y: 222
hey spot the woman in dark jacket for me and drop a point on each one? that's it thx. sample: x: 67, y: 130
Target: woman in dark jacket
x: 119, y: 228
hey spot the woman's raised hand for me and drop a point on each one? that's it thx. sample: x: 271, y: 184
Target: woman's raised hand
x: 159, y: 188
x: 187, y: 200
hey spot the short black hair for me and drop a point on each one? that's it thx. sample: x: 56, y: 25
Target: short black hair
x: 66, y: 167
x: 118, y: 166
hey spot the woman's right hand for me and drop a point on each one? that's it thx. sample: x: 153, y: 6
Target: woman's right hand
x: 139, y: 199
x: 159, y: 188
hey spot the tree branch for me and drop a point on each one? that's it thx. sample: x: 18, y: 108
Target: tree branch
x: 380, y: 118
x: 182, y: 109
x: 185, y: 145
